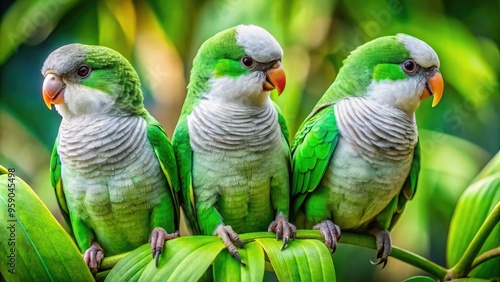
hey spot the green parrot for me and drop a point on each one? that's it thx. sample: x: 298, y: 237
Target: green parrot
x: 231, y: 140
x: 112, y: 167
x: 356, y: 157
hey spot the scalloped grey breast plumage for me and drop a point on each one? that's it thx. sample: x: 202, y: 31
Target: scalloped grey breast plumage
x: 372, y: 160
x: 111, y: 175
x: 238, y: 156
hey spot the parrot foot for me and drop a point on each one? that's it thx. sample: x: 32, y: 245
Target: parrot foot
x: 283, y: 229
x: 384, y: 246
x: 93, y: 257
x: 331, y: 232
x: 228, y: 236
x: 157, y: 240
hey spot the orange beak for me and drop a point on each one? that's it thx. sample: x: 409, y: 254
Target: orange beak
x: 434, y: 87
x: 276, y: 79
x: 53, y: 90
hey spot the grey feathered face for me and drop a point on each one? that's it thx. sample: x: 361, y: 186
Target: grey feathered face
x: 85, y: 79
x: 64, y: 60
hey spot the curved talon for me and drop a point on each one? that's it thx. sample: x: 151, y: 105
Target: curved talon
x: 157, y: 257
x: 238, y: 258
x: 379, y: 261
x: 384, y: 245
x: 229, y: 237
x: 283, y: 229
x: 285, y: 242
x: 331, y: 232
x: 157, y: 240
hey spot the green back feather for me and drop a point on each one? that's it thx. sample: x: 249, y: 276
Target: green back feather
x: 312, y: 151
x: 56, y: 181
x: 166, y: 157
x: 184, y: 154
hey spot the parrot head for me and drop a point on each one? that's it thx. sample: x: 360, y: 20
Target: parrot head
x: 241, y: 64
x: 85, y: 79
x: 397, y: 71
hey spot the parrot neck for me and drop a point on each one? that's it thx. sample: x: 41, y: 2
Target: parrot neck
x: 376, y: 131
x: 89, y: 141
x: 217, y: 126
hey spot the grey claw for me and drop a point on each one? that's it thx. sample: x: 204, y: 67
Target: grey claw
x: 379, y: 261
x: 384, y: 245
x: 331, y: 232
x: 157, y: 256
x: 285, y: 242
x: 238, y: 258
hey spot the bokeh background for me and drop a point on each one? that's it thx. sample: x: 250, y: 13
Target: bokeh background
x: 160, y: 38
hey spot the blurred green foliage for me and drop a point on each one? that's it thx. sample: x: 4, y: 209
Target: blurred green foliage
x: 160, y: 38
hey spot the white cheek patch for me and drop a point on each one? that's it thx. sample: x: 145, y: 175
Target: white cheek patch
x: 79, y: 100
x: 401, y: 94
x: 245, y: 89
x: 258, y: 43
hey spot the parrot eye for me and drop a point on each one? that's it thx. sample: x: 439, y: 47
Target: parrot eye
x: 247, y: 62
x: 83, y: 71
x: 410, y: 66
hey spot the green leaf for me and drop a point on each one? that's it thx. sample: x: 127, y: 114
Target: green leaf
x: 24, y: 19
x: 491, y: 168
x: 130, y: 268
x: 38, y: 248
x: 226, y: 268
x: 195, y: 253
x: 301, y: 260
x: 420, y: 279
x: 471, y: 211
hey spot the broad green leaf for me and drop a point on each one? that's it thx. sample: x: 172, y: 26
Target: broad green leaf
x: 38, y: 248
x: 471, y: 211
x: 193, y: 253
x: 301, y: 260
x: 491, y: 168
x: 130, y: 268
x: 27, y: 18
x: 226, y: 268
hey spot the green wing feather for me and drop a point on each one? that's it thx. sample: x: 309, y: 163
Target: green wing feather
x: 408, y: 190
x: 280, y: 194
x: 312, y: 150
x: 282, y: 122
x: 57, y: 184
x: 166, y: 157
x: 184, y: 154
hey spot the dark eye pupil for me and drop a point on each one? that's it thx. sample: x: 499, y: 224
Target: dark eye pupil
x: 248, y: 62
x: 409, y: 66
x: 83, y: 71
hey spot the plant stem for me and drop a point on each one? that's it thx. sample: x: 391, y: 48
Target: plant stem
x: 109, y: 262
x: 369, y: 242
x: 485, y: 257
x: 464, y: 265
